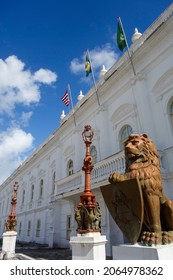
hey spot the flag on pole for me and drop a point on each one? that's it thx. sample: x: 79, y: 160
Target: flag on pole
x: 89, y: 69
x: 69, y: 90
x: 65, y: 98
x: 87, y: 65
x: 121, y: 41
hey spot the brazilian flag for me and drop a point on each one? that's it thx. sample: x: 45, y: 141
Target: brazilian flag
x: 87, y: 65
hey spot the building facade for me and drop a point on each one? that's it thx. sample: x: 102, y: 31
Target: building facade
x: 51, y: 180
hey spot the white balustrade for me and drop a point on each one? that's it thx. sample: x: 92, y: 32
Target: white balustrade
x: 100, y: 174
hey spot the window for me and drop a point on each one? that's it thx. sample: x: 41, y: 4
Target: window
x: 32, y: 193
x: 171, y: 113
x: 3, y: 206
x: 23, y: 197
x: 53, y: 182
x: 41, y: 189
x: 68, y: 227
x: 38, y: 228
x: 29, y: 228
x: 93, y: 153
x: 7, y: 206
x: 20, y: 228
x: 70, y: 167
x: 124, y: 134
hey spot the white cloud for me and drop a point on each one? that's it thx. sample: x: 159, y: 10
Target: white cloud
x: 77, y: 66
x: 104, y: 55
x: 18, y: 85
x: 45, y: 76
x: 14, y: 144
x: 25, y: 117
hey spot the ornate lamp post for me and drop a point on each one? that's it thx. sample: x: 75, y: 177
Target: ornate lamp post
x: 11, y: 222
x: 88, y: 213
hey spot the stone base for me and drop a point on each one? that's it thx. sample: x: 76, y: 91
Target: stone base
x: 139, y: 252
x: 8, y: 245
x: 88, y: 246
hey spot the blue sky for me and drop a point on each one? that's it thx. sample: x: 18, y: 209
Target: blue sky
x: 42, y: 48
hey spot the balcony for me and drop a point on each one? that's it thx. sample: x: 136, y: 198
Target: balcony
x: 99, y: 176
x: 74, y: 183
x: 69, y: 184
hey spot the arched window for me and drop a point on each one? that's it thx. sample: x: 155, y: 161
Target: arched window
x: 3, y: 206
x: 70, y: 167
x: 68, y: 227
x: 7, y: 205
x: 93, y: 153
x: 53, y: 182
x: 32, y: 193
x: 171, y: 113
x: 38, y: 227
x: 41, y: 189
x: 20, y: 228
x: 23, y: 197
x: 29, y: 228
x: 124, y: 134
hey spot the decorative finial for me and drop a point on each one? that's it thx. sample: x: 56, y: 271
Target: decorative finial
x: 136, y: 35
x: 103, y: 71
x: 62, y: 115
x: 80, y: 96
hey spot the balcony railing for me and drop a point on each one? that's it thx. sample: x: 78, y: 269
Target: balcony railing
x: 102, y: 169
x: 99, y: 175
x: 70, y: 183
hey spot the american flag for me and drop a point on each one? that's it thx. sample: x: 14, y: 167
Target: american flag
x: 65, y: 98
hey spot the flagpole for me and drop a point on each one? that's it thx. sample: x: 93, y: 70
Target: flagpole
x: 68, y: 86
x: 128, y: 50
x: 93, y: 77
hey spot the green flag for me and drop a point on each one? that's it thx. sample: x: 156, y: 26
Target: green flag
x: 87, y: 65
x: 120, y: 38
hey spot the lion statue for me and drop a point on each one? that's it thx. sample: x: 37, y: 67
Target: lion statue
x: 142, y: 161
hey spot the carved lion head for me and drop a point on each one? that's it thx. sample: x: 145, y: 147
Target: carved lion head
x: 140, y: 149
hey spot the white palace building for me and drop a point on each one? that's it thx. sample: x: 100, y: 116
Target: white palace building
x: 51, y: 180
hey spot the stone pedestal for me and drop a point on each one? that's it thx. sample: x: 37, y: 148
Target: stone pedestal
x: 88, y: 246
x: 139, y: 252
x: 8, y: 245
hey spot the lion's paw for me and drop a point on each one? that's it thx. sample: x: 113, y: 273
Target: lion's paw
x: 167, y: 237
x: 151, y: 238
x: 116, y: 177
x: 156, y: 238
